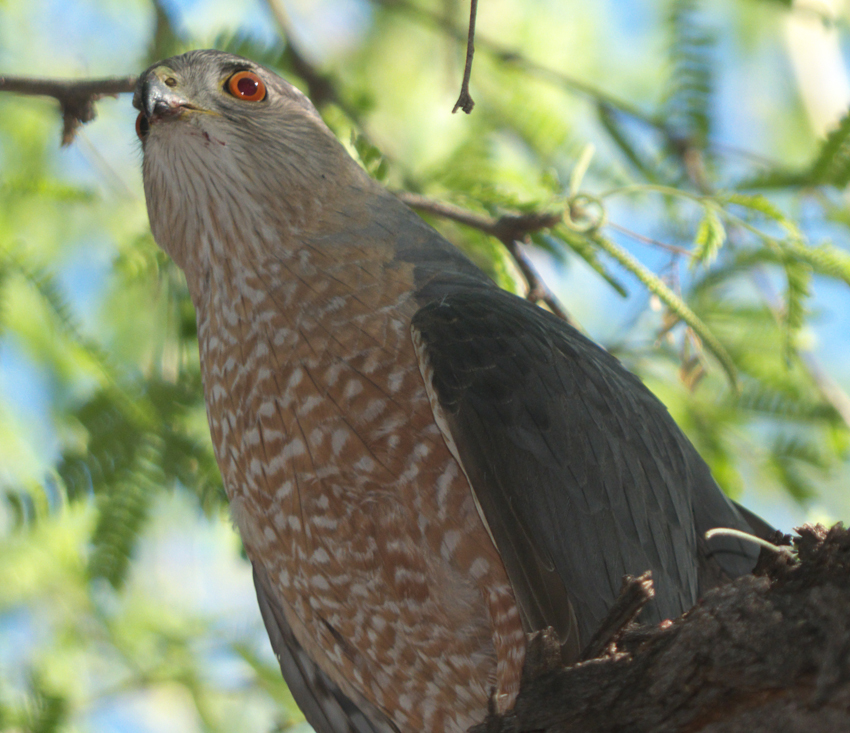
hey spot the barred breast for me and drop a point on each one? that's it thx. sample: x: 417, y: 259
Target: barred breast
x: 342, y: 487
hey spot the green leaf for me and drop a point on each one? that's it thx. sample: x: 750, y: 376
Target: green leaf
x: 688, y: 96
x: 47, y: 287
x: 825, y: 258
x: 580, y: 168
x: 676, y: 305
x: 761, y: 205
x: 799, y: 278
x: 123, y: 512
x: 45, y: 711
x: 371, y: 157
x: 632, y: 151
x: 710, y: 237
x: 832, y: 165
x: 789, y: 455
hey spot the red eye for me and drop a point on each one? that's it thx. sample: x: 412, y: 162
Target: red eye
x: 246, y: 85
x: 142, y: 126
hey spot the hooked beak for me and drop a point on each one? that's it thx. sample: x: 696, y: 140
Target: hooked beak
x: 157, y: 100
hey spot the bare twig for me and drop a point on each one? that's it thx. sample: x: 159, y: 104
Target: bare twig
x: 511, y: 57
x: 634, y: 595
x: 464, y: 101
x: 650, y: 241
x: 598, y: 96
x: 510, y: 229
x: 510, y: 226
x: 76, y: 97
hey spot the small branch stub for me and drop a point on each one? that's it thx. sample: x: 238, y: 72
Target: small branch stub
x: 635, y: 594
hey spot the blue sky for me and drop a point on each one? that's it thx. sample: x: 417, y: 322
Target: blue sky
x: 188, y: 562
x: 83, y: 38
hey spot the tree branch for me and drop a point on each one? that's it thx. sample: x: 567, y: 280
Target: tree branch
x: 635, y: 594
x: 768, y: 652
x: 76, y: 97
x: 465, y: 101
x: 511, y: 230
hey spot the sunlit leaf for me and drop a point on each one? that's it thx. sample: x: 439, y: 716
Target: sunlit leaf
x: 710, y: 237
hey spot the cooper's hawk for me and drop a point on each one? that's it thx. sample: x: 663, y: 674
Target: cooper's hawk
x: 423, y: 467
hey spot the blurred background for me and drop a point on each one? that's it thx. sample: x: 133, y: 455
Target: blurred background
x: 700, y: 152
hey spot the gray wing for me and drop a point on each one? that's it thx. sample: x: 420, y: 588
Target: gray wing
x: 324, y: 705
x: 580, y: 472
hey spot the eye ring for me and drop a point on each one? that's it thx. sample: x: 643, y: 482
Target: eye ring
x: 247, y: 86
x: 142, y: 126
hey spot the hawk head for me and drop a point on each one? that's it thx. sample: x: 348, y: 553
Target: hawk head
x: 234, y: 156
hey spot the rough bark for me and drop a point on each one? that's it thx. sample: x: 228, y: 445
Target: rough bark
x: 767, y: 652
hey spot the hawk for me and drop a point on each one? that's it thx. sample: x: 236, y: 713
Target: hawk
x: 423, y: 468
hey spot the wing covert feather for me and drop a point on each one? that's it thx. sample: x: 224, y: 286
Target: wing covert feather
x: 572, y: 459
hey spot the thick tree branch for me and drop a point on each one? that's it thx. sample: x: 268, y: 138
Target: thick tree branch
x: 76, y: 97
x: 769, y: 652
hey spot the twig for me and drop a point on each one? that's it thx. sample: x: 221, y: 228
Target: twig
x: 537, y: 288
x: 510, y: 226
x: 634, y: 595
x: 76, y: 97
x: 465, y: 101
x: 600, y: 97
x: 508, y: 56
x: 650, y: 241
x: 510, y: 230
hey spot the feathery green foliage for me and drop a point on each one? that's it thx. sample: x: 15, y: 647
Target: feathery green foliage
x: 718, y: 257
x: 43, y: 712
x: 709, y: 238
x: 687, y: 104
x: 832, y: 166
